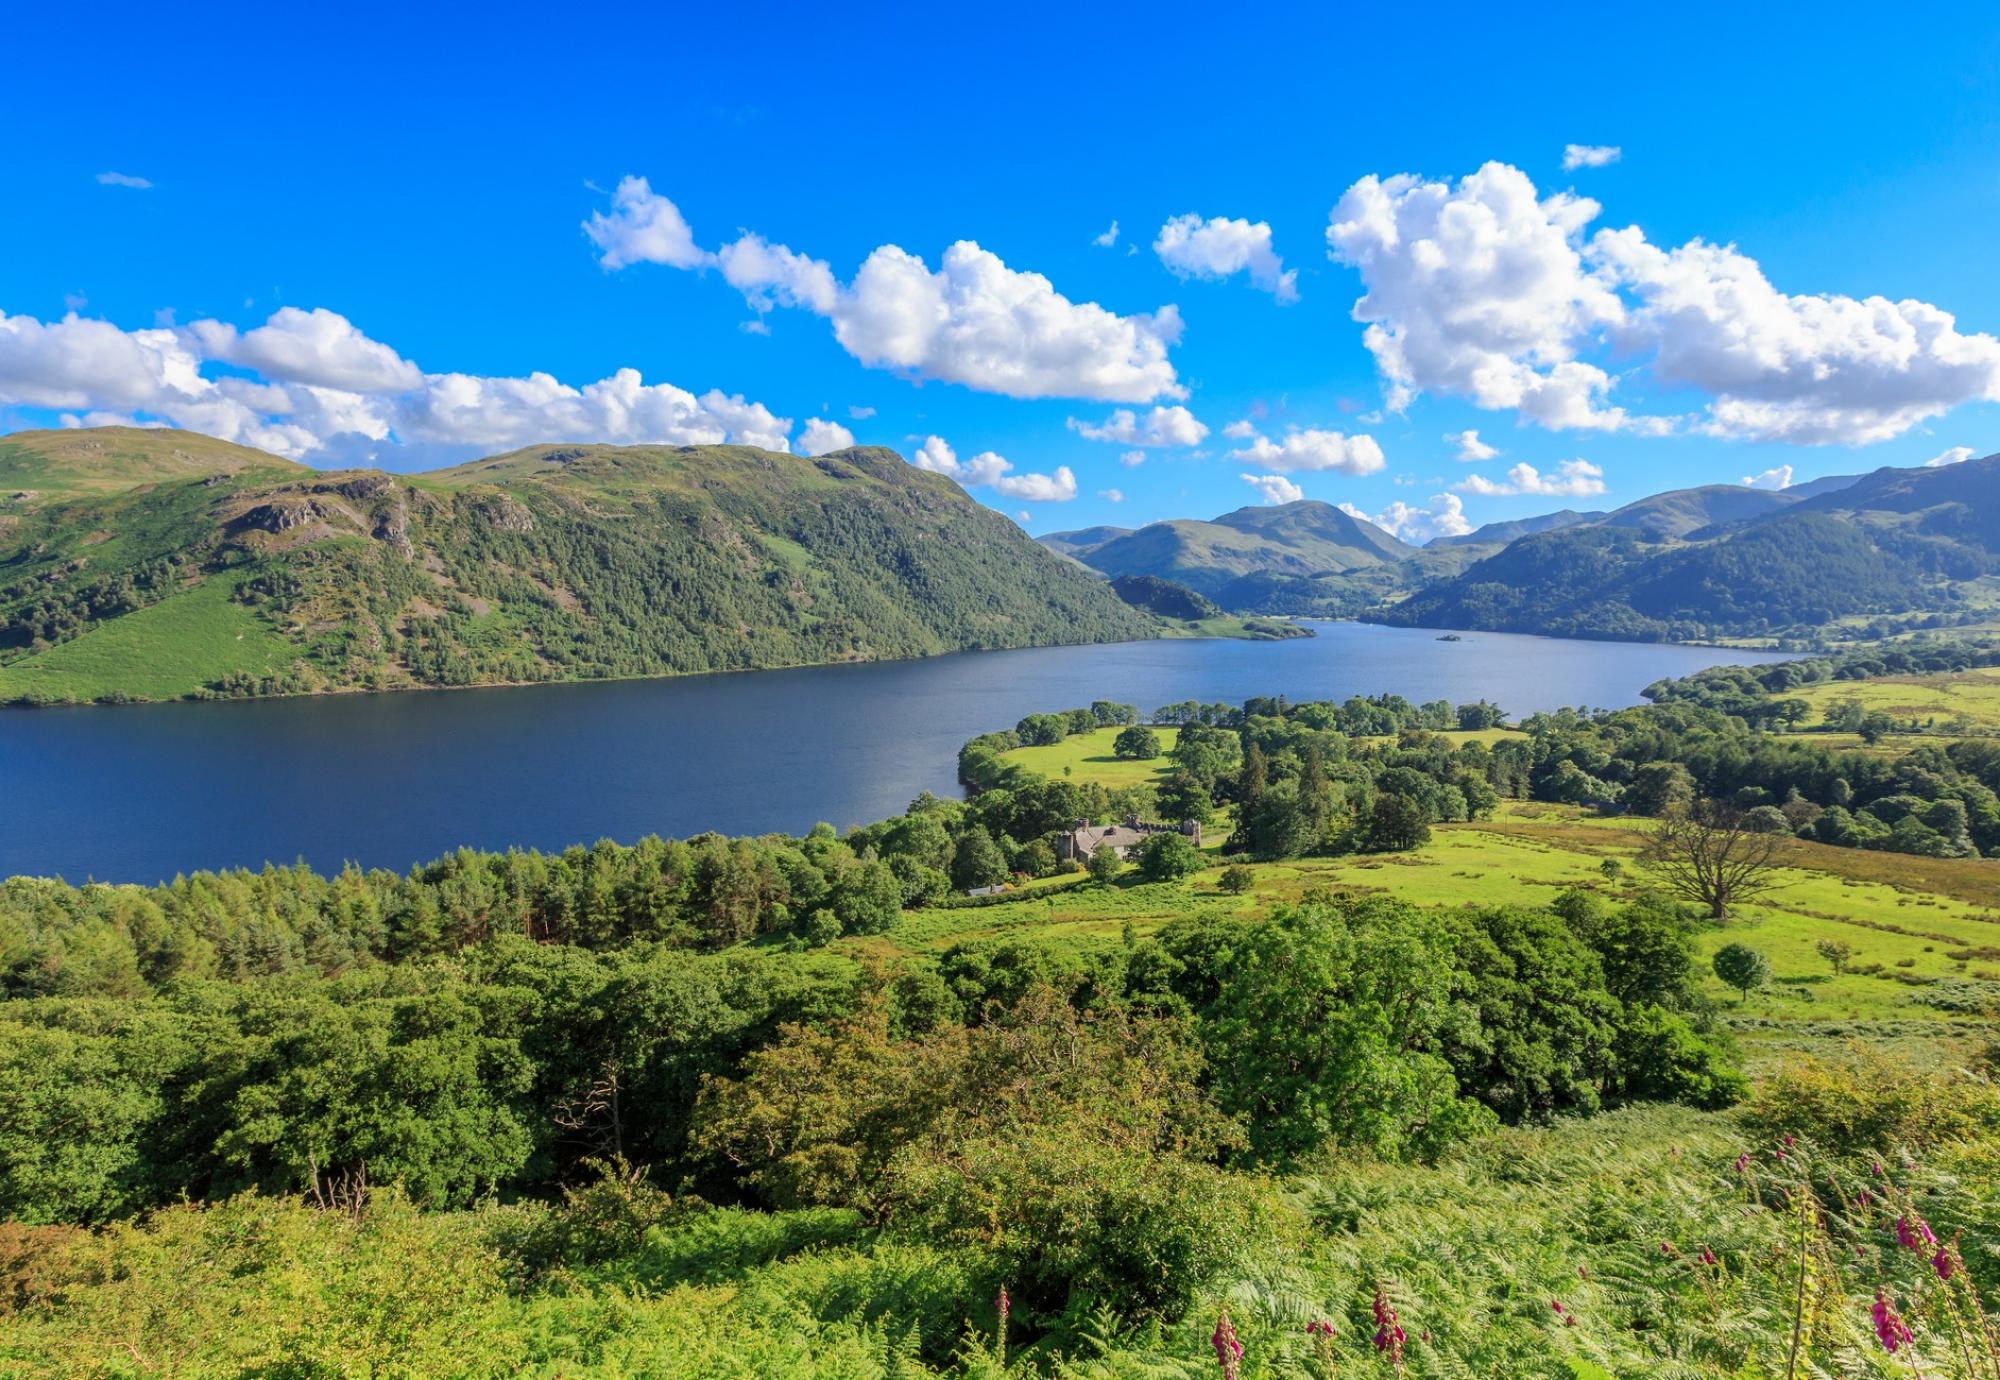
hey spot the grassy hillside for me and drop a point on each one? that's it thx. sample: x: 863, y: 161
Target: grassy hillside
x: 152, y: 564
x: 38, y: 467
x: 1899, y: 546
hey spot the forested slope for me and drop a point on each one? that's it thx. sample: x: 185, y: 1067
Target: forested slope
x: 203, y: 573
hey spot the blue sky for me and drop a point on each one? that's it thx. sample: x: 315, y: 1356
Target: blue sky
x: 421, y: 184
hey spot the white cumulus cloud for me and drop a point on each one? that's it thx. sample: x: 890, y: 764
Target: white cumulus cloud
x: 1478, y: 291
x: 1782, y: 367
x: 1132, y: 459
x: 1274, y: 487
x: 973, y: 320
x: 770, y: 275
x: 1572, y: 479
x: 1779, y: 477
x: 317, y: 347
x: 1487, y: 290
x: 995, y: 472
x: 1311, y: 449
x: 1442, y: 516
x: 643, y: 228
x: 1957, y: 455
x: 1163, y: 426
x: 1470, y: 448
x: 1240, y: 430
x: 1219, y: 247
x: 978, y: 322
x: 119, y: 179
x: 820, y: 436
x: 1108, y: 238
x: 1590, y: 156
x: 325, y: 390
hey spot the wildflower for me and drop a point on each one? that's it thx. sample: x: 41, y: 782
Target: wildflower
x: 1743, y: 1162
x: 1914, y: 1233
x: 1890, y: 1329
x: 1389, y: 1336
x: 1778, y: 1154
x: 1790, y: 1141
x: 1707, y: 1256
x: 1667, y: 1250
x: 1878, y: 1168
x: 1863, y: 1198
x: 1228, y: 1351
x: 1003, y: 1306
x: 1941, y: 1262
x: 1321, y: 1333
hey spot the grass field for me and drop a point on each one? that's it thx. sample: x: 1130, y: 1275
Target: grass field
x: 1919, y: 927
x: 1969, y: 696
x: 163, y: 651
x: 1084, y: 757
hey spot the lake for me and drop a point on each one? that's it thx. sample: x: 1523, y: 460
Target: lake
x: 139, y: 793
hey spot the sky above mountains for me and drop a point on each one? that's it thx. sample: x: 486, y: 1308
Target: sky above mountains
x: 1099, y: 267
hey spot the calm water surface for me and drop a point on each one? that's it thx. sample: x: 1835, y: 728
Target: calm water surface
x: 138, y: 793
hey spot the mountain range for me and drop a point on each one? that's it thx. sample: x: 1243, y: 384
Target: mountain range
x: 1896, y: 548
x: 141, y: 563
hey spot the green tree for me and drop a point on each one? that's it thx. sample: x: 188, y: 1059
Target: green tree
x: 1137, y: 743
x: 1237, y: 879
x: 1397, y: 825
x: 1742, y: 967
x: 1105, y: 863
x: 1328, y: 1027
x: 1169, y: 857
x: 1836, y: 952
x: 977, y: 861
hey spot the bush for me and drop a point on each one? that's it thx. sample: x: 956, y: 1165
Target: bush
x: 606, y: 1218
x: 1058, y: 1219
x: 1237, y: 879
x: 1868, y: 1104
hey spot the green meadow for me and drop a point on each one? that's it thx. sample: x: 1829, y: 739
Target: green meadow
x: 164, y: 651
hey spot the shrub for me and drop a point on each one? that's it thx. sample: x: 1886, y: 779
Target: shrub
x: 1057, y: 1218
x: 1237, y: 879
x: 1868, y: 1103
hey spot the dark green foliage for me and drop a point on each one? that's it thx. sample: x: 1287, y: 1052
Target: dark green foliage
x: 1329, y: 1026
x: 1163, y: 597
x: 1137, y: 743
x: 1168, y: 858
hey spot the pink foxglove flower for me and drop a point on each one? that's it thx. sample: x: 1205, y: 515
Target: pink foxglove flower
x: 1228, y: 1351
x: 1890, y: 1329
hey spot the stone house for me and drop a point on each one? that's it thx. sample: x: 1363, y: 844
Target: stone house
x: 1084, y: 838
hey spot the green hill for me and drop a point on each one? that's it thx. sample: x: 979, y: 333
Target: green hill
x: 1300, y: 539
x: 1498, y: 534
x: 1682, y: 511
x: 157, y: 564
x: 1710, y: 563
x: 38, y: 467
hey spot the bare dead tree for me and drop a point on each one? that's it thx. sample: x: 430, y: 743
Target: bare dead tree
x: 1705, y: 852
x: 595, y: 1114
